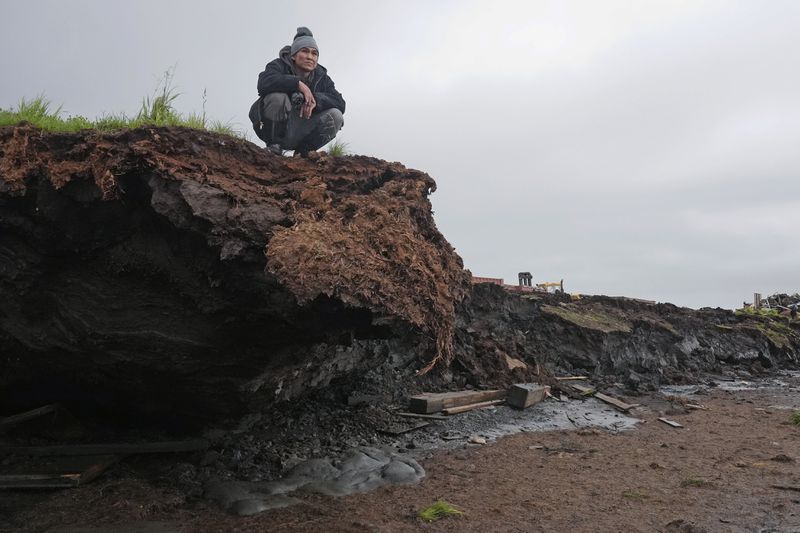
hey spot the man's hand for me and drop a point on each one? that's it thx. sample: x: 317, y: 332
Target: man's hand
x: 310, y: 103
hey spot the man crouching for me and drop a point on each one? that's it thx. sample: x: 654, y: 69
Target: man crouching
x: 298, y: 107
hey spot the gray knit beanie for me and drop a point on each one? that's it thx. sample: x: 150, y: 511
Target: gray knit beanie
x: 303, y: 39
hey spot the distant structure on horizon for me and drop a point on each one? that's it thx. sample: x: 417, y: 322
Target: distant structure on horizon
x: 525, y: 284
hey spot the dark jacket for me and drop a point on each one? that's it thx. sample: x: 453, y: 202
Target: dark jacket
x: 279, y: 77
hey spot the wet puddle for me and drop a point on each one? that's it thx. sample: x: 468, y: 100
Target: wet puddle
x: 394, y: 461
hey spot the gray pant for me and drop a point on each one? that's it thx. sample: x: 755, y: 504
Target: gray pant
x: 292, y: 132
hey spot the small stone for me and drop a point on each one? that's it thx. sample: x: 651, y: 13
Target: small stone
x: 477, y: 439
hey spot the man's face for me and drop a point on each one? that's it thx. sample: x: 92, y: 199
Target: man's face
x: 306, y: 59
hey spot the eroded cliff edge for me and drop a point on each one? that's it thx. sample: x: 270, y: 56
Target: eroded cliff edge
x: 179, y: 278
x: 167, y: 266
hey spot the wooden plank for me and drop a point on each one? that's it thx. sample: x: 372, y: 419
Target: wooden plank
x: 108, y: 449
x: 619, y: 404
x: 523, y: 395
x: 100, y: 465
x: 670, y: 422
x: 10, y: 421
x: 586, y: 391
x: 470, y: 407
x: 59, y: 479
x: 571, y: 378
x: 417, y: 415
x: 434, y: 402
x: 38, y: 481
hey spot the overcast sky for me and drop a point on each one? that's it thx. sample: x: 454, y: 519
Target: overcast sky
x: 640, y: 148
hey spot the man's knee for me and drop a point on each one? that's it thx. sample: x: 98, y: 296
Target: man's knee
x: 336, y: 117
x: 276, y: 106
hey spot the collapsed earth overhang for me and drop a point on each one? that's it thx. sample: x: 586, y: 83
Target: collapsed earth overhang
x: 179, y: 274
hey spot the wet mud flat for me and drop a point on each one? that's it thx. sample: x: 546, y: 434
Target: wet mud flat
x: 719, y: 472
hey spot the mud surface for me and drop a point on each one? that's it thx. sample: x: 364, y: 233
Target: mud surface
x: 720, y: 472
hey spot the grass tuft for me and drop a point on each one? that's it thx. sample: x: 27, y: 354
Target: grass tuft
x: 156, y: 110
x: 795, y: 418
x: 439, y: 510
x: 339, y: 149
x: 695, y: 482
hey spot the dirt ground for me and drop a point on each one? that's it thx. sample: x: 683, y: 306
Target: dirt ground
x: 733, y: 467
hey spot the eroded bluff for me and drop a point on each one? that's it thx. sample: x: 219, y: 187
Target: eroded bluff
x: 182, y: 275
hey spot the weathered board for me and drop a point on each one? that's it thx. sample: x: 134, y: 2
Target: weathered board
x: 523, y: 395
x: 105, y: 449
x: 470, y: 407
x: 434, y: 402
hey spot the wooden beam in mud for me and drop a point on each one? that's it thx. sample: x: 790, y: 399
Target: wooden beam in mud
x: 418, y: 415
x: 523, y: 395
x: 105, y: 449
x: 437, y: 401
x: 614, y: 402
x: 470, y: 407
x: 10, y: 421
x: 619, y: 404
x: 74, y: 475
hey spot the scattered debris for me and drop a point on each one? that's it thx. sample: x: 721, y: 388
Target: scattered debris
x: 523, y: 395
x: 439, y: 510
x: 515, y: 363
x: 782, y: 458
x: 434, y: 402
x: 696, y: 407
x: 571, y: 378
x: 670, y: 422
